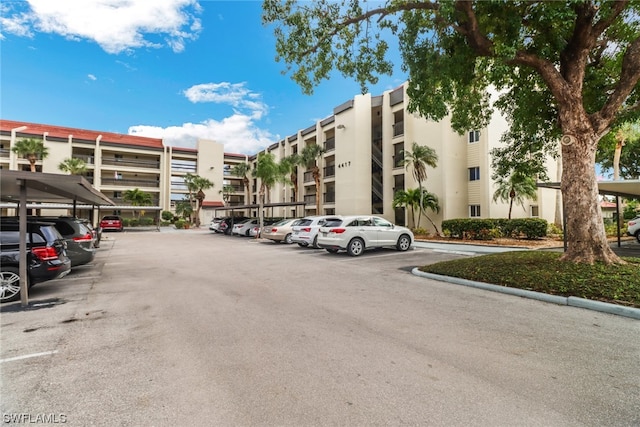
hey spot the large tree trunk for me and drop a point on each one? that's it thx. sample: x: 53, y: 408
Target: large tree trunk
x: 586, y: 237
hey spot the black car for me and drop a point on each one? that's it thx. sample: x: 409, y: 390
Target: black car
x: 80, y: 239
x: 46, y: 256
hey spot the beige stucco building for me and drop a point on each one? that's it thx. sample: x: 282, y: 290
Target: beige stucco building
x: 361, y: 168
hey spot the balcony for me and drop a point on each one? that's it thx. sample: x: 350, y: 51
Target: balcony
x: 310, y: 199
x: 308, y: 177
x: 132, y: 163
x: 129, y: 182
x: 122, y: 201
x: 4, y: 152
x: 87, y: 158
x: 330, y: 197
x: 329, y: 171
x: 330, y: 144
x: 398, y: 129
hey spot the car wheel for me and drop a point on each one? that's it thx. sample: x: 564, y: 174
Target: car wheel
x: 246, y: 233
x: 638, y: 236
x: 302, y: 245
x: 355, y: 247
x: 404, y: 243
x: 10, y: 284
x: 315, y: 243
x: 332, y: 251
x: 287, y: 239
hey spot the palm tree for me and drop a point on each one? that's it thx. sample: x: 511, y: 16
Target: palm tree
x: 137, y: 197
x: 309, y: 157
x: 517, y: 187
x: 32, y: 150
x: 226, y: 191
x: 73, y: 165
x: 289, y: 166
x: 269, y: 172
x: 429, y: 201
x: 408, y: 199
x: 418, y: 159
x: 242, y: 170
x: 196, y: 186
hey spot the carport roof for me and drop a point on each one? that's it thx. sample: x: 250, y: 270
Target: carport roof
x: 623, y: 188
x: 50, y: 188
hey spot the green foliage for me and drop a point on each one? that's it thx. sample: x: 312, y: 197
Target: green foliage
x: 542, y: 271
x: 491, y: 228
x: 31, y: 149
x: 145, y: 221
x: 167, y: 215
x: 180, y: 224
x: 629, y: 158
x: 631, y: 209
x: 73, y: 165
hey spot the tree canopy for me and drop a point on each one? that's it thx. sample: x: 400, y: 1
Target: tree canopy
x: 557, y: 70
x: 31, y: 149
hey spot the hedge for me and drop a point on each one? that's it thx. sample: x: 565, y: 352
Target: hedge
x: 491, y: 228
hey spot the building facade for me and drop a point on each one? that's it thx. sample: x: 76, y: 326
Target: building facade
x: 361, y: 169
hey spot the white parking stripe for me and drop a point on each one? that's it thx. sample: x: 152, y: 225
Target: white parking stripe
x: 28, y: 356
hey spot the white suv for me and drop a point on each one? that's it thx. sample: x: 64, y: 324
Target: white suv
x: 633, y: 228
x: 305, y: 232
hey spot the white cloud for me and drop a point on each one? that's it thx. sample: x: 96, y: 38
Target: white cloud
x: 234, y: 94
x: 92, y: 77
x: 116, y: 25
x: 238, y: 133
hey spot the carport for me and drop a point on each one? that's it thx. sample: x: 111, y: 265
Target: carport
x: 23, y: 187
x: 622, y: 188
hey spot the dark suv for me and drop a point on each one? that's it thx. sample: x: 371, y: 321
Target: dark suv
x: 46, y: 256
x: 226, y: 225
x: 80, y: 239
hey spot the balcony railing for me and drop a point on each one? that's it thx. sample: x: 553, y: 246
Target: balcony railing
x: 88, y: 159
x: 310, y: 199
x: 330, y: 197
x: 398, y: 129
x: 125, y: 182
x: 123, y: 201
x: 4, y: 152
x: 330, y: 144
x: 308, y: 177
x: 330, y: 171
x: 132, y: 163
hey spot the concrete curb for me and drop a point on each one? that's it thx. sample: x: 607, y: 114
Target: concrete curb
x: 603, y: 307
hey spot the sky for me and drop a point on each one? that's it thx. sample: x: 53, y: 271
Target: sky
x: 172, y: 69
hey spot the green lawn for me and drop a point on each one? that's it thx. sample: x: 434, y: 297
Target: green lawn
x: 543, y: 272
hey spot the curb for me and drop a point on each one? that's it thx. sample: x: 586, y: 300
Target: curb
x: 618, y: 310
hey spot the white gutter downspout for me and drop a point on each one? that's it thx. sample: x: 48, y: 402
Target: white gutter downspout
x: 13, y: 157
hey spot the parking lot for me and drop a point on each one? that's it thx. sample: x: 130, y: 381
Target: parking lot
x: 196, y: 328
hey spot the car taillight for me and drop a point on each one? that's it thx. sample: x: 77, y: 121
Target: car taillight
x: 631, y: 223
x: 45, y: 254
x: 273, y: 230
x: 337, y: 230
x: 306, y: 229
x: 87, y: 237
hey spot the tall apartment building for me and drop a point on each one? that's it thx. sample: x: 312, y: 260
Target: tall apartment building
x: 361, y: 169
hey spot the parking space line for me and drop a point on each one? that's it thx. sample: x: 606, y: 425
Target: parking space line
x: 29, y: 356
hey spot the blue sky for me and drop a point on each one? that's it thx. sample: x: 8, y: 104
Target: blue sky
x: 172, y: 69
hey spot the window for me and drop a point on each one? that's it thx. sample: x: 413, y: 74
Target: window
x: 474, y: 136
x: 535, y: 212
x: 474, y: 173
x: 474, y: 211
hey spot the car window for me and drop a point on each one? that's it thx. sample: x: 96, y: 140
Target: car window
x: 379, y: 222
x: 352, y: 223
x: 65, y: 228
x: 304, y: 222
x: 332, y: 222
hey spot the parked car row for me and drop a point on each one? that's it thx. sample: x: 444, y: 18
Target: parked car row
x: 353, y: 234
x: 54, y: 246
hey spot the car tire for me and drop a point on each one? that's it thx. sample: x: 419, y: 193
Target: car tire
x: 10, y: 277
x: 287, y: 239
x: 332, y: 251
x: 302, y: 245
x: 315, y: 243
x: 246, y: 233
x: 404, y: 243
x: 355, y: 247
x: 638, y: 236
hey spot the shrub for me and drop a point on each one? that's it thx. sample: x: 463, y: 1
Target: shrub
x: 180, y: 223
x: 144, y: 221
x: 487, y: 229
x: 167, y: 215
x: 420, y: 231
x: 133, y: 222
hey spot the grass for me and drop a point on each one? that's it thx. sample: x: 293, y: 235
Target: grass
x: 543, y: 272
